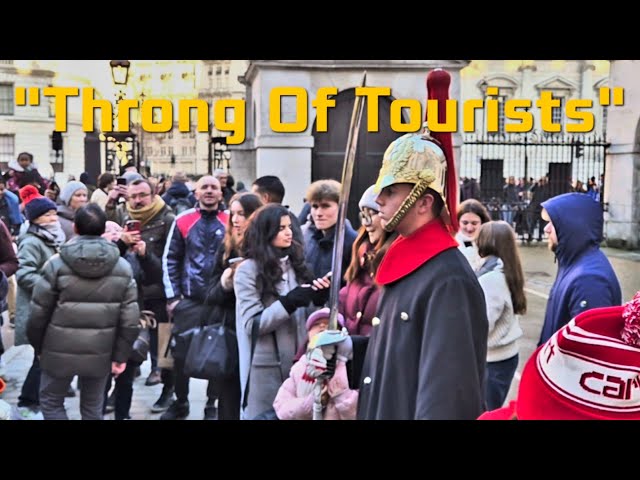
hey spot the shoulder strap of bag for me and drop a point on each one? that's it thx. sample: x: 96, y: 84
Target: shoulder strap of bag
x: 275, y: 343
x: 255, y: 330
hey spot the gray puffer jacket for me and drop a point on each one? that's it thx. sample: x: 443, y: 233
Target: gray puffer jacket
x: 35, y: 247
x: 84, y: 310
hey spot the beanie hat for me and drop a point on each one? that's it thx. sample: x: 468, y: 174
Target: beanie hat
x: 28, y: 193
x: 321, y: 315
x: 35, y: 205
x: 588, y: 370
x: 69, y: 189
x: 368, y: 199
x: 131, y: 176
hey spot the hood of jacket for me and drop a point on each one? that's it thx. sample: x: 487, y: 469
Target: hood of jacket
x: 578, y: 221
x: 178, y: 190
x: 89, y: 256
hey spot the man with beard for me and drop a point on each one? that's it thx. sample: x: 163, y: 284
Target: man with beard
x: 188, y: 266
x: 155, y: 219
x: 427, y: 351
x: 585, y: 278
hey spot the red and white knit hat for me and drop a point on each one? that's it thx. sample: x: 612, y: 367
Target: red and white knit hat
x: 590, y: 369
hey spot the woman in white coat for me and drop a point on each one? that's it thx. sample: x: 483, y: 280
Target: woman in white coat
x: 471, y: 214
x: 502, y: 281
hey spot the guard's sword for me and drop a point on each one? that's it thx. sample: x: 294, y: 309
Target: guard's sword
x: 347, y: 173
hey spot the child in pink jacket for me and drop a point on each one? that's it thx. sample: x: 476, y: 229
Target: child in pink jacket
x: 294, y: 400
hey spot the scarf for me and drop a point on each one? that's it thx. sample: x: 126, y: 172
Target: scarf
x: 145, y: 214
x: 52, y: 233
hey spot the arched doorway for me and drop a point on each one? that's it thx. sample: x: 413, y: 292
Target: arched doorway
x: 328, y: 153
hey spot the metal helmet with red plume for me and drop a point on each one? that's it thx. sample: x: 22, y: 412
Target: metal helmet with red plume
x: 424, y: 160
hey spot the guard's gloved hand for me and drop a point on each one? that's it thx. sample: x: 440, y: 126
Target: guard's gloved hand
x: 298, y: 297
x: 345, y: 350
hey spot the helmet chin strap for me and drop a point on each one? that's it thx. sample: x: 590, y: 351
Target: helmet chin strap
x: 416, y: 192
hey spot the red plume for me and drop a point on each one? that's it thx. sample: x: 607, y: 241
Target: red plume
x: 28, y: 193
x: 438, y: 82
x: 631, y: 315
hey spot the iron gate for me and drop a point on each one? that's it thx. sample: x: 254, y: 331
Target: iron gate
x: 563, y: 159
x: 543, y: 165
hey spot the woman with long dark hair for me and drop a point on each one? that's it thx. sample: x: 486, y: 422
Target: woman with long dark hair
x: 502, y: 280
x: 221, y: 295
x: 273, y: 288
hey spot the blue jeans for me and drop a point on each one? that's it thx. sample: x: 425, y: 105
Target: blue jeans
x: 498, y: 381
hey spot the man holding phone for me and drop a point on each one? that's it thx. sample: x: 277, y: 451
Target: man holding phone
x: 146, y: 217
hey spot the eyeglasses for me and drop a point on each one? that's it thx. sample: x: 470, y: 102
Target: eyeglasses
x: 366, y: 217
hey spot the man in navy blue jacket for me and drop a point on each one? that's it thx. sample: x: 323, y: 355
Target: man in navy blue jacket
x: 187, y: 266
x: 585, y: 278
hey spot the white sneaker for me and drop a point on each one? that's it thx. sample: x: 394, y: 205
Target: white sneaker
x: 5, y: 410
x: 25, y: 413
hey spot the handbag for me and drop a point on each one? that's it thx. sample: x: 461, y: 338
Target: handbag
x: 142, y: 343
x: 188, y: 317
x: 212, y: 353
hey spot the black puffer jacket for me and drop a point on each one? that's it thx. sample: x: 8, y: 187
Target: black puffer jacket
x: 84, y: 310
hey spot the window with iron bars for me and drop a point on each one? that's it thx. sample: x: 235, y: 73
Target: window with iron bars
x: 501, y: 117
x: 557, y: 116
x: 7, y: 150
x: 6, y: 99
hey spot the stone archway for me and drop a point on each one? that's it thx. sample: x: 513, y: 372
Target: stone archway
x: 327, y: 158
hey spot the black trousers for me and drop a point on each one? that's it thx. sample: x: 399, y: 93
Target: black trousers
x: 123, y: 391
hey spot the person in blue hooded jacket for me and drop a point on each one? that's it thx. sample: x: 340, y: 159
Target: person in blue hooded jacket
x: 585, y: 277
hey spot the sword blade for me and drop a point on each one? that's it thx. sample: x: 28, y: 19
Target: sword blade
x: 347, y: 174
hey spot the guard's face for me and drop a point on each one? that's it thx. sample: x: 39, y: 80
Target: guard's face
x: 391, y: 198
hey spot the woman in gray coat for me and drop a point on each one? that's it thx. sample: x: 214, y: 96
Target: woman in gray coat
x: 272, y: 288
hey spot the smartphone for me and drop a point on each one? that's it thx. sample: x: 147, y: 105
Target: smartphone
x: 235, y: 260
x: 121, y: 181
x: 132, y: 226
